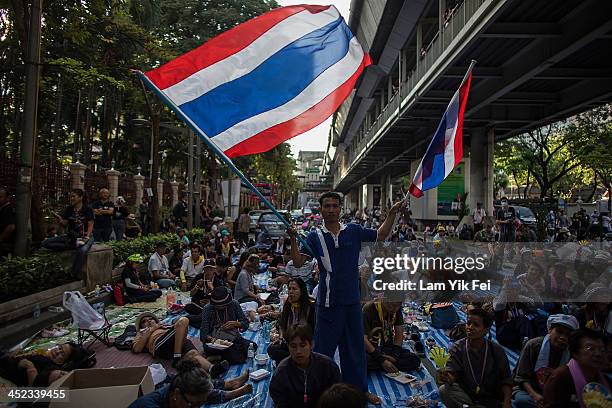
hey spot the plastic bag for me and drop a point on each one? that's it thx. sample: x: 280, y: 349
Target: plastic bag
x: 158, y: 372
x: 83, y: 315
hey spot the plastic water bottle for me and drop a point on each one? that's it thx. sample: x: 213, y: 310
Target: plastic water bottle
x: 283, y: 294
x: 256, y: 323
x: 251, y: 354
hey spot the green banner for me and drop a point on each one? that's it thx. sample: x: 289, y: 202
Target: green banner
x: 451, y: 190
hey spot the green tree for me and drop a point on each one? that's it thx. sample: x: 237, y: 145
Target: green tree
x: 542, y: 154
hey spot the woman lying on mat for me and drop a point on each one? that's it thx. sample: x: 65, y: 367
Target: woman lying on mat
x: 40, y: 370
x: 477, y: 373
x: 170, y: 342
x: 192, y: 387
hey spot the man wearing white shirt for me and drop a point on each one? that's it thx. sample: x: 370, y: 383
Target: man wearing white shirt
x: 192, y: 266
x: 478, y: 216
x: 159, y: 268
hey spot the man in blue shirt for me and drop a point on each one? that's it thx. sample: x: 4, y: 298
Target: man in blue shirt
x: 339, y: 322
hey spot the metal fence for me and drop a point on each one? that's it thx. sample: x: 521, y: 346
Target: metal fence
x: 52, y: 181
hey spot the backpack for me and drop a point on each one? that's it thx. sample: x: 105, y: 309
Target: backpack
x: 118, y: 293
x: 444, y: 316
x: 125, y: 341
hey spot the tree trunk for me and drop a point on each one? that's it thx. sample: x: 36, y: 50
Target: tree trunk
x: 17, y: 118
x: 3, y: 109
x: 155, y: 120
x: 77, y: 126
x: 212, y: 174
x: 58, y: 121
x: 36, y: 216
x: 590, y: 197
x: 105, y: 125
x: 88, y: 133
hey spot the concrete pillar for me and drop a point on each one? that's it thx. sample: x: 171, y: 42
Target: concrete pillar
x: 482, y: 145
x: 489, y: 176
x: 139, y: 182
x: 175, y: 197
x: 385, y: 192
x: 77, y: 171
x: 160, y: 192
x: 426, y: 207
x: 113, y: 183
x: 369, y: 202
x: 477, y: 174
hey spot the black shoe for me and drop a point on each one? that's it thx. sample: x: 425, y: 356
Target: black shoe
x: 219, y: 369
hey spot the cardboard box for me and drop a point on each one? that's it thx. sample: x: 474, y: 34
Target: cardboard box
x: 104, y: 387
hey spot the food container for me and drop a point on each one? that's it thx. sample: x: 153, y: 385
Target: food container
x: 262, y: 359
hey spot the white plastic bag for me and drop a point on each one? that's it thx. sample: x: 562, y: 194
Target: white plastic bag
x: 83, y: 315
x: 158, y: 372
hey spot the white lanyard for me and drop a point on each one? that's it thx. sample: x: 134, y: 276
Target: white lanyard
x: 326, y: 261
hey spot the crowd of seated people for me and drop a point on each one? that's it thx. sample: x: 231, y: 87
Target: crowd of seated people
x: 561, y: 348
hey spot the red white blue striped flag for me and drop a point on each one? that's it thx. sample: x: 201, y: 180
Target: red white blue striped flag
x: 266, y: 80
x: 445, y: 150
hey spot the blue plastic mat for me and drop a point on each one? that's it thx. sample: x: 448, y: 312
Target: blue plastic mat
x: 392, y: 393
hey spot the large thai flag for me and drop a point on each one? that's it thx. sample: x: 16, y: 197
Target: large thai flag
x: 266, y: 80
x: 445, y: 150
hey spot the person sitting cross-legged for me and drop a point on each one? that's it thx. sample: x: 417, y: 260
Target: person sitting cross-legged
x: 246, y: 290
x: 297, y: 310
x: 223, y: 319
x: 136, y: 290
x: 301, y: 378
x: 384, y: 334
x: 158, y: 267
x: 168, y: 342
x: 540, y: 356
x: 192, y: 387
x: 477, y: 373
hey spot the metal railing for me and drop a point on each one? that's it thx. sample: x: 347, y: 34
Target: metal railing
x: 464, y: 13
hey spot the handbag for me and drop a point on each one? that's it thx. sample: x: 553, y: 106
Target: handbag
x: 229, y: 335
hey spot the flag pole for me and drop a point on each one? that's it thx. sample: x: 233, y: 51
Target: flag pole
x: 217, y: 151
x: 407, y: 196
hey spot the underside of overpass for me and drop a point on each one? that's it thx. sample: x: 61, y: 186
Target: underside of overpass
x: 537, y: 62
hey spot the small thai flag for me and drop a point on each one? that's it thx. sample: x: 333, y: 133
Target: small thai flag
x: 266, y: 80
x: 445, y: 150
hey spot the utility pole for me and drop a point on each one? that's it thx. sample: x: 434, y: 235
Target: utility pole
x: 30, y: 130
x: 198, y: 181
x: 190, y: 179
